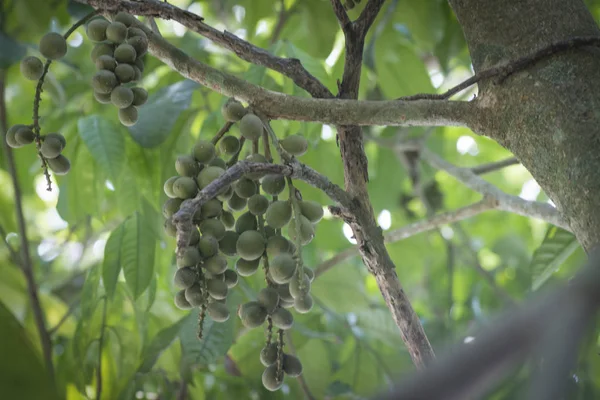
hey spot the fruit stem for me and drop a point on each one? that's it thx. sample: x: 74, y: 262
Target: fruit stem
x: 224, y: 129
x: 294, y: 194
x: 234, y: 158
x: 280, y: 345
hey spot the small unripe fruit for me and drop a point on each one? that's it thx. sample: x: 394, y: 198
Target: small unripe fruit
x: 233, y: 110
x: 250, y: 245
x: 307, y: 231
x: 125, y: 53
x: 96, y: 29
x: 279, y: 214
x: 116, y: 32
x: 245, y: 188
x: 184, y: 277
x: 185, y: 187
x: 125, y: 73
x: 282, y: 318
x: 284, y: 293
x: 229, y: 145
x: 277, y: 244
x: 53, y: 46
x: 181, y: 302
x: 252, y: 314
x: 296, y: 145
x: 258, y: 204
x: 51, y: 147
x: 59, y: 137
x: 190, y: 257
x: 209, y: 174
x: 227, y: 219
x: 211, y: 209
x: 218, y: 312
x: 247, y: 268
x: 270, y: 380
x: 304, y: 303
x: 194, y: 295
x: 102, y: 49
x: 227, y: 245
x: 131, y: 32
x: 216, y: 265
x: 273, y: 184
x: 231, y: 278
x: 268, y: 354
x: 25, y: 136
x: 297, y: 290
x: 246, y: 222
x: 170, y: 228
x: 10, y: 136
x: 137, y: 76
x: 125, y: 19
x: 32, y: 68
x: 140, y: 96
x: 106, y: 62
x: 218, y: 162
x: 268, y: 298
x: 217, y: 289
x: 310, y: 274
x: 251, y: 127
x: 213, y: 227
x: 128, y: 116
x: 139, y: 43
x: 311, y: 210
x: 209, y: 247
x: 168, y: 187
x: 236, y: 203
x: 139, y: 63
x: 282, y: 268
x: 204, y: 151
x: 194, y: 237
x: 121, y: 96
x: 59, y: 165
x: 292, y: 365
x: 104, y: 81
x: 186, y: 166
x: 170, y: 207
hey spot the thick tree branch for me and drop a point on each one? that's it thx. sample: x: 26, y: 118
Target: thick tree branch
x: 26, y: 261
x: 506, y: 202
x: 290, y: 67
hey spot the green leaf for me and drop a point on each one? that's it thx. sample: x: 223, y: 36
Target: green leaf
x: 22, y: 373
x: 160, y: 113
x: 105, y: 142
x: 556, y: 247
x: 112, y: 260
x: 217, y: 338
x: 137, y: 254
x: 12, y: 51
x: 161, y: 342
x: 89, y: 292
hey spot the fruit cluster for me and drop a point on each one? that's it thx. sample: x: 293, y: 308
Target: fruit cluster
x: 255, y: 235
x: 118, y: 54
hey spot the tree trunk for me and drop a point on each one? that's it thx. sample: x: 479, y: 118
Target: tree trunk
x: 549, y: 114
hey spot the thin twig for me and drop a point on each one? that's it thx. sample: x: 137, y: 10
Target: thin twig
x: 284, y: 16
x: 62, y: 320
x: 494, y: 166
x: 100, y: 346
x: 224, y: 129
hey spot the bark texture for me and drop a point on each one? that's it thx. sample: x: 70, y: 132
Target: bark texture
x: 547, y: 115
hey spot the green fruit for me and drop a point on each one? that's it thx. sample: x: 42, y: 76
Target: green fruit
x: 170, y: 228
x: 25, y: 136
x: 218, y: 162
x: 194, y: 295
x: 227, y: 245
x: 125, y: 19
x: 106, y: 62
x: 268, y: 298
x: 217, y: 289
x: 137, y: 74
x: 121, y: 96
x: 286, y: 304
x: 168, y: 187
x: 185, y: 187
x: 208, y: 175
x: 186, y: 166
x: 218, y: 312
x: 269, y: 231
x: 139, y: 43
x: 246, y: 222
x: 296, y: 290
x: 181, y: 302
x: 227, y: 219
x: 296, y: 145
x: 229, y: 145
x: 32, y: 68
x: 245, y: 188
x: 284, y: 293
x: 131, y: 32
x: 251, y: 127
x: 310, y: 274
x: 231, y: 278
x: 125, y: 53
x: 139, y: 63
x: 273, y: 184
x: 102, y: 98
x: 190, y: 257
x: 59, y: 137
x: 226, y: 195
x: 312, y: 210
x: 209, y: 247
x: 258, y: 204
x: 185, y: 277
x: 10, y: 136
x: 116, y: 32
x: 140, y: 96
x: 96, y: 29
x: 194, y: 238
x: 236, y: 203
x: 303, y: 304
x: 102, y: 49
x: 282, y: 268
x: 270, y: 380
x: 128, y: 115
x: 250, y: 245
x: 252, y: 314
x: 59, y: 165
x: 204, y: 151
x: 125, y: 73
x: 233, y: 110
x: 307, y: 231
x: 257, y: 158
x: 279, y: 214
x: 213, y: 227
x: 268, y: 354
x: 211, y: 209
x: 53, y: 46
x: 246, y: 268
x: 277, y: 244
x: 170, y: 207
x: 104, y: 81
x: 282, y: 318
x: 217, y: 264
x: 292, y: 365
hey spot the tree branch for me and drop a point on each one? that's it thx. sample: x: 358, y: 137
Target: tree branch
x: 506, y: 202
x: 414, y: 229
x: 290, y: 67
x: 494, y: 166
x: 26, y: 262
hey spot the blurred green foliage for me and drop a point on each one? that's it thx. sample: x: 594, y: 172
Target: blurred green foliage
x: 97, y: 239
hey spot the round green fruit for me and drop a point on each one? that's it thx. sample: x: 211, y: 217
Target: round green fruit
x: 139, y: 43
x: 218, y: 312
x: 227, y: 245
x: 184, y: 277
x: 125, y: 53
x: 189, y: 257
x: 217, y: 289
x: 229, y: 145
x: 59, y: 137
x: 250, y: 245
x: 296, y: 145
x: 297, y: 290
x: 284, y: 293
x: 104, y: 81
x: 279, y: 214
x: 213, y: 227
x: 216, y: 264
x: 252, y: 314
x: 247, y: 268
x: 282, y: 268
x: 268, y: 298
x: 132, y: 32
x: 25, y: 136
x: 10, y: 136
x: 53, y: 46
x: 282, y: 318
x: 270, y: 380
x: 292, y: 365
x: 102, y: 98
x: 312, y: 210
x: 218, y: 162
x: 96, y: 29
x: 227, y: 219
x: 204, y: 151
x: 310, y: 274
x: 231, y: 278
x: 181, y: 302
x: 125, y: 19
x: 102, y: 49
x: 106, y: 62
x: 251, y: 127
x: 236, y: 203
x: 246, y: 222
x: 140, y: 96
x: 125, y: 73
x: 185, y: 187
x: 307, y: 231
x: 273, y: 184
x: 233, y: 110
x: 121, y: 96
x: 245, y: 188
x: 303, y: 304
x: 170, y: 207
x: 168, y: 187
x: 59, y: 165
x: 116, y: 32
x: 258, y: 204
x: 268, y: 354
x: 32, y: 68
x: 208, y: 175
x: 194, y: 295
x: 209, y: 247
x: 170, y: 228
x: 211, y: 209
x: 186, y: 165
